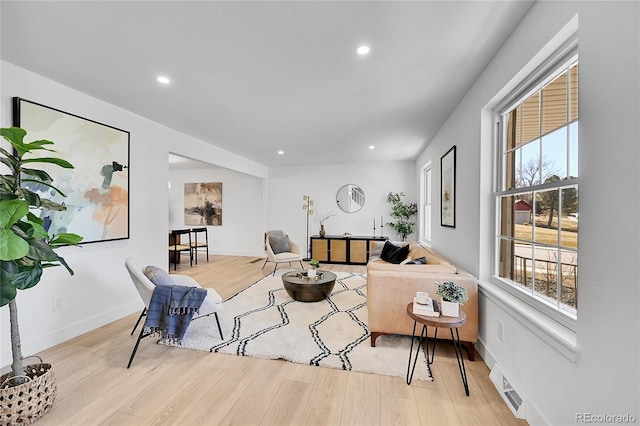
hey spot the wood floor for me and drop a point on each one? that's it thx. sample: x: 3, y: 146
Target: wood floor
x: 185, y: 387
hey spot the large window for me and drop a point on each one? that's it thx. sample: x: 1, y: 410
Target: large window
x: 536, y: 200
x: 426, y: 203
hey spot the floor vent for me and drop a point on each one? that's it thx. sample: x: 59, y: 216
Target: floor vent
x: 511, y: 394
x: 514, y: 400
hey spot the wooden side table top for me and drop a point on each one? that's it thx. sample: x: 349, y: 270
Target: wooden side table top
x: 441, y: 321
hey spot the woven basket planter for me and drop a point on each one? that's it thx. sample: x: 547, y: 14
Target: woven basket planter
x: 27, y: 402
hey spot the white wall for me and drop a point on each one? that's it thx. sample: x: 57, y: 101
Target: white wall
x: 601, y: 375
x: 243, y: 207
x: 287, y: 185
x: 101, y: 291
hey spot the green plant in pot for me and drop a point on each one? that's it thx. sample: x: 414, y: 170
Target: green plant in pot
x: 453, y: 295
x: 26, y: 249
x: 402, y: 213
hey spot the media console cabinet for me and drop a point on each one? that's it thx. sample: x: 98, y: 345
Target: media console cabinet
x: 340, y: 249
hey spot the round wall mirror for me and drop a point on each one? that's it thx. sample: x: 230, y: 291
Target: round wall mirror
x: 350, y: 198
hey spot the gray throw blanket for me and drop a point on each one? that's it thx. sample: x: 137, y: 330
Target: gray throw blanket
x: 171, y: 310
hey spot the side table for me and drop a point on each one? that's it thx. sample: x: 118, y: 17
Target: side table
x: 436, y: 322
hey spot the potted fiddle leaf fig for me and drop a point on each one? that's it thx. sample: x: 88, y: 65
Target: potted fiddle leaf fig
x: 26, y: 250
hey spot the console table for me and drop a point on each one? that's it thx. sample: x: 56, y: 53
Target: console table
x: 340, y: 249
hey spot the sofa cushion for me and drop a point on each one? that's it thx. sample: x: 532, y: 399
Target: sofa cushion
x: 157, y: 275
x: 381, y: 265
x: 376, y: 249
x: 394, y: 254
x: 417, y: 251
x: 279, y: 243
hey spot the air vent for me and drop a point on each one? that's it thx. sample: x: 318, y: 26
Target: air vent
x: 511, y: 395
x: 508, y: 391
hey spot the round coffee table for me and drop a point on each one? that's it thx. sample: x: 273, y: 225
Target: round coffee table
x: 304, y: 289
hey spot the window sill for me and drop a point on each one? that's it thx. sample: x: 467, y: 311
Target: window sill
x: 554, y: 334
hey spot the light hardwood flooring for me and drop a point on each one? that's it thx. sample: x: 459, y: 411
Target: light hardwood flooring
x: 186, y: 387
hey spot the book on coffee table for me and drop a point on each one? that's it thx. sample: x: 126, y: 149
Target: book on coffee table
x: 430, y: 309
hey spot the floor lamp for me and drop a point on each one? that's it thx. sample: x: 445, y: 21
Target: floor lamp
x: 307, y: 203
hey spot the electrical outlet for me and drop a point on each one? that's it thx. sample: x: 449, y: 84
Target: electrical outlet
x: 500, y: 330
x: 57, y: 304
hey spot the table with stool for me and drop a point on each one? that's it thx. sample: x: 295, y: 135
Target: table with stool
x: 437, y: 322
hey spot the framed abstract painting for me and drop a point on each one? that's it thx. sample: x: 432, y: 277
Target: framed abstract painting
x: 203, y: 204
x: 97, y: 188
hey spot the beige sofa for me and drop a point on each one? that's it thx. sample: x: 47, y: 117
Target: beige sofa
x: 390, y: 287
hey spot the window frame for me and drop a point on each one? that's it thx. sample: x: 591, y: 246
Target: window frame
x: 548, y: 70
x: 426, y: 203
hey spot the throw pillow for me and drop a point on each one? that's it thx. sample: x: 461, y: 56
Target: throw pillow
x: 279, y: 243
x: 157, y: 275
x: 394, y: 254
x: 418, y: 261
x: 376, y: 249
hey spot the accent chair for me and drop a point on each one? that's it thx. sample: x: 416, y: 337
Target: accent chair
x: 280, y: 249
x: 211, y: 304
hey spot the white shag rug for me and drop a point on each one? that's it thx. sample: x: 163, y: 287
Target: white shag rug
x: 263, y: 321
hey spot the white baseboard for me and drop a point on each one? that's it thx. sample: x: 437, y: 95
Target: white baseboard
x: 238, y: 253
x: 46, y: 341
x: 485, y: 353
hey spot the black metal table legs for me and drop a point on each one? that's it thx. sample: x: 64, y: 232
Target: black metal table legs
x: 410, y: 370
x: 424, y: 337
x: 459, y: 357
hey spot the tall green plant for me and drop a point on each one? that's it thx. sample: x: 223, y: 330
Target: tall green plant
x: 26, y: 248
x: 402, y: 213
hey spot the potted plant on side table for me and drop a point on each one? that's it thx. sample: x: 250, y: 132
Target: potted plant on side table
x: 27, y: 392
x: 452, y: 296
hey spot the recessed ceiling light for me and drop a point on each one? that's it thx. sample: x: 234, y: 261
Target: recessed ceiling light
x: 280, y: 152
x: 372, y: 147
x: 363, y: 50
x: 163, y: 79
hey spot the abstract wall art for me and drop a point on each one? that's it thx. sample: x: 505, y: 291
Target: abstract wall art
x: 97, y: 188
x: 203, y: 204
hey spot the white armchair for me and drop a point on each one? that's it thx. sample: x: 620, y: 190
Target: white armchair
x: 211, y: 304
x: 280, y: 249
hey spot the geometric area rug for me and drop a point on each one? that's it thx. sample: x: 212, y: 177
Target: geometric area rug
x: 263, y: 321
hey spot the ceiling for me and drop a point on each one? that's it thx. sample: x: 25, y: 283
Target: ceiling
x: 254, y: 78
